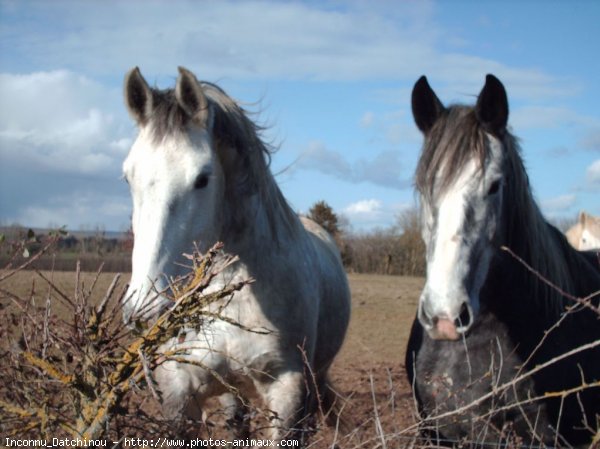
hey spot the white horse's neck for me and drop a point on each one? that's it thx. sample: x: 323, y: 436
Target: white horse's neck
x: 260, y: 220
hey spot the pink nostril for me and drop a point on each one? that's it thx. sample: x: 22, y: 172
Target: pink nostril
x: 444, y: 329
x: 441, y: 326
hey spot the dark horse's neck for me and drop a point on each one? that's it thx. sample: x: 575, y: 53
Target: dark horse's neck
x: 527, y: 305
x: 530, y: 300
x: 515, y: 300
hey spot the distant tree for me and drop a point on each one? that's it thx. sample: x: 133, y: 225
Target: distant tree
x: 344, y: 225
x: 128, y: 239
x: 344, y: 230
x: 411, y: 243
x: 409, y: 222
x: 323, y: 214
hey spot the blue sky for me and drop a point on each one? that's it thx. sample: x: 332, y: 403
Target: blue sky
x: 331, y: 79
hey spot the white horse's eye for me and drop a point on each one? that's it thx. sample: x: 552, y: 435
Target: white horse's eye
x: 494, y: 187
x: 201, y: 181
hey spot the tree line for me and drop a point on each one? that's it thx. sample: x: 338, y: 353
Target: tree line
x: 397, y: 250
x: 92, y: 250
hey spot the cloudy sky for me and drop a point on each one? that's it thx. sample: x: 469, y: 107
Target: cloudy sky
x: 331, y: 79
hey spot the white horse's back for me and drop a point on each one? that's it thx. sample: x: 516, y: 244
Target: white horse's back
x: 320, y: 234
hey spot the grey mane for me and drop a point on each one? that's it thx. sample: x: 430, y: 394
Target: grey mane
x: 244, y: 155
x: 231, y: 123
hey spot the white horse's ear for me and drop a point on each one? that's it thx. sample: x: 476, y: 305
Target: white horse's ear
x: 191, y: 98
x: 138, y: 96
x: 426, y: 106
x: 582, y: 217
x: 492, y: 106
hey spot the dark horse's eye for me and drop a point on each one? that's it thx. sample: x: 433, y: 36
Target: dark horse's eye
x: 201, y: 181
x: 494, y: 187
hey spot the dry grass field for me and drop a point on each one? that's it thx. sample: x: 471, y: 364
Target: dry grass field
x: 369, y: 371
x: 383, y: 308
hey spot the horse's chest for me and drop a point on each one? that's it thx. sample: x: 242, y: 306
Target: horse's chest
x: 455, y: 376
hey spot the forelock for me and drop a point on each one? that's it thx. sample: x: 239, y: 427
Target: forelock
x: 167, y: 117
x: 456, y: 138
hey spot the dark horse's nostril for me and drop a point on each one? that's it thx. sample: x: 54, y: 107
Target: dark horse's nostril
x: 465, y: 318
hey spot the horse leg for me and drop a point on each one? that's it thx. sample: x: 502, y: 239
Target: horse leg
x: 237, y: 415
x: 327, y: 405
x: 284, y: 396
x: 184, y: 389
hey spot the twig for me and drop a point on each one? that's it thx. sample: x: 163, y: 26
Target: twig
x: 586, y: 302
x: 148, y: 375
x: 378, y: 426
x: 29, y: 261
x: 512, y: 382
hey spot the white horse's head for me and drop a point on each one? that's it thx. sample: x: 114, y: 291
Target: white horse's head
x: 176, y: 182
x: 460, y: 179
x: 585, y: 234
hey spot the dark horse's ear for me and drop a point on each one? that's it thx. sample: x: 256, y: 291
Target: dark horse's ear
x: 191, y: 98
x: 426, y: 106
x: 138, y: 96
x: 492, y: 106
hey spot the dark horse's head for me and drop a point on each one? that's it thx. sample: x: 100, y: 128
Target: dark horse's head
x: 459, y: 179
x: 474, y: 197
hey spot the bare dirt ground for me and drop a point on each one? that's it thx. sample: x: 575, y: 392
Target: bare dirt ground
x: 368, y: 373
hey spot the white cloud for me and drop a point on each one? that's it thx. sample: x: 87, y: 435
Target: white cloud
x: 558, y: 204
x: 60, y: 121
x: 228, y: 39
x: 364, y: 207
x: 367, y: 213
x: 61, y: 148
x: 319, y: 158
x: 384, y: 169
x: 122, y: 145
x: 76, y: 211
x: 592, y: 174
x: 373, y: 213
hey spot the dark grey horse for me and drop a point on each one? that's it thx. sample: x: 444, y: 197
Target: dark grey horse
x: 484, y: 319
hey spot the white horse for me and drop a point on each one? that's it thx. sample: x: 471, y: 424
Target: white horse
x: 198, y: 172
x: 585, y: 234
